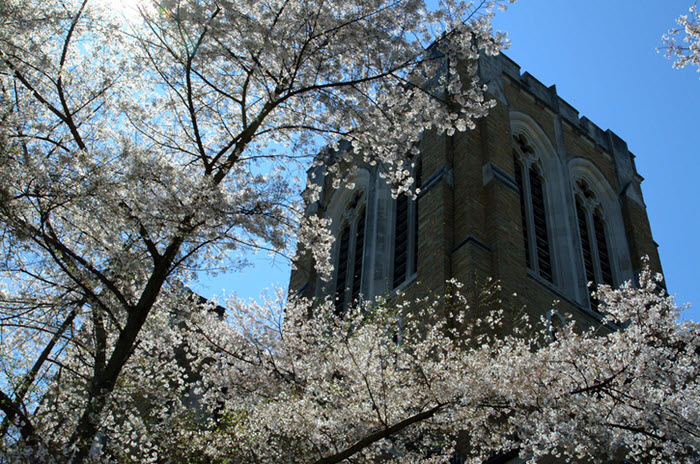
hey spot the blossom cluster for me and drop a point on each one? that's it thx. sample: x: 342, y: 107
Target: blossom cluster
x: 686, y: 52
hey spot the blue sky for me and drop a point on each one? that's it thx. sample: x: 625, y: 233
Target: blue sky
x: 602, y: 57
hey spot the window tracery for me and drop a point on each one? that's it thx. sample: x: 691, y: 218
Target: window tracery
x: 350, y: 254
x: 593, y: 235
x: 530, y: 181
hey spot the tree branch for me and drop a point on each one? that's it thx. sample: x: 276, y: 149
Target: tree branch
x: 380, y: 435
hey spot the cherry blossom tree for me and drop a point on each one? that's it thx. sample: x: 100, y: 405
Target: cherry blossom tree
x: 686, y: 52
x: 138, y: 151
x: 289, y: 381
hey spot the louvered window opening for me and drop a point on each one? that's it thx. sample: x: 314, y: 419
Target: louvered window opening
x: 533, y: 211
x: 602, y: 244
x: 405, y: 260
x: 523, y: 214
x: 342, y: 274
x: 585, y: 246
x: 419, y: 181
x: 401, y: 228
x: 359, y: 249
x: 594, y: 242
x: 348, y: 283
x: 539, y: 217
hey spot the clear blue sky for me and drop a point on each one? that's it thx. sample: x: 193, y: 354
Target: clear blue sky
x: 602, y: 57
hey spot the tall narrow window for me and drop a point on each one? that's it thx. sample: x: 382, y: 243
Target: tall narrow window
x: 342, y: 269
x: 602, y: 245
x: 414, y: 246
x: 592, y: 232
x: 359, y: 250
x: 523, y: 214
x: 533, y: 208
x: 401, y: 233
x: 351, y: 243
x: 406, y: 235
x: 585, y: 244
x: 539, y: 220
x: 418, y: 175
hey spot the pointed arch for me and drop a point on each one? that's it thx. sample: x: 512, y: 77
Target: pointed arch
x: 348, y: 211
x: 537, y: 170
x: 557, y: 204
x: 601, y: 238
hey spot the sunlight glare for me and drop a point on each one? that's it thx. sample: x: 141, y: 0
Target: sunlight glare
x: 128, y: 9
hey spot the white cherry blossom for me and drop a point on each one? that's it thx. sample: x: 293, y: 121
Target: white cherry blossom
x: 687, y: 51
x: 138, y: 153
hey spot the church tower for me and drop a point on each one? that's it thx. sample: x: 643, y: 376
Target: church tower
x: 536, y: 197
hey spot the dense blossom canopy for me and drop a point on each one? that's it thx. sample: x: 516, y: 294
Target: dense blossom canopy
x: 410, y: 382
x: 139, y: 150
x: 282, y: 382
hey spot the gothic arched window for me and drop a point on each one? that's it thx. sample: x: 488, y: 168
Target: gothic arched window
x: 533, y: 208
x: 405, y: 262
x: 350, y: 252
x: 593, y: 235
